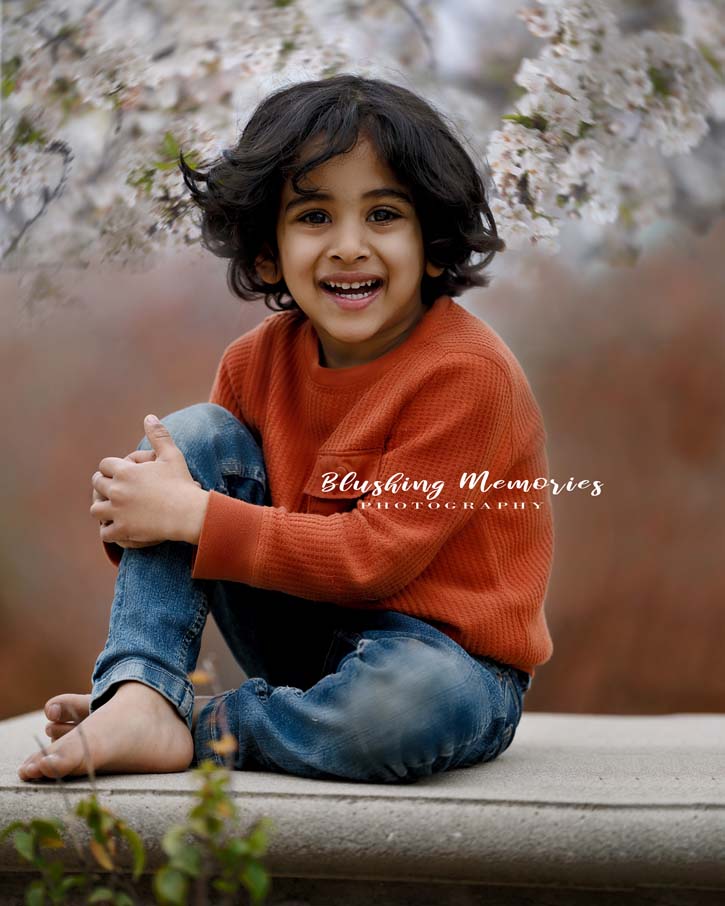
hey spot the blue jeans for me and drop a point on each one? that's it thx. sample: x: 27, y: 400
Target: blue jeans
x: 333, y: 692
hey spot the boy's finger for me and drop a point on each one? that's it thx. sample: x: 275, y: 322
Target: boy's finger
x: 95, y: 493
x: 102, y: 511
x: 141, y: 456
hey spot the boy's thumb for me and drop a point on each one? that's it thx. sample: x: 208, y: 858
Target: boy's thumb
x: 158, y: 436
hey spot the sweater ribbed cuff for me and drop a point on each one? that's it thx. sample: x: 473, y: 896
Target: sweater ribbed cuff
x: 228, y: 540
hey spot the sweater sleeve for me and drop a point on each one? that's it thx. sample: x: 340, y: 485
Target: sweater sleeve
x: 460, y: 420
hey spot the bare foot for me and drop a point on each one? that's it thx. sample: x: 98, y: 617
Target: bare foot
x: 73, y: 708
x: 137, y: 731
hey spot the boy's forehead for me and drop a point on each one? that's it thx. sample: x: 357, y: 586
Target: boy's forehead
x: 362, y: 163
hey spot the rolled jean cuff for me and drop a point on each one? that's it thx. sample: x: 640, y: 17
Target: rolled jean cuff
x: 212, y: 723
x: 175, y: 690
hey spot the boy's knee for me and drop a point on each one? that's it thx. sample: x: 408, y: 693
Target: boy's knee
x: 423, y: 698
x: 196, y: 424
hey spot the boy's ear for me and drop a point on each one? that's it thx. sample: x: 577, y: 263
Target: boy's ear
x: 267, y: 267
x: 432, y: 270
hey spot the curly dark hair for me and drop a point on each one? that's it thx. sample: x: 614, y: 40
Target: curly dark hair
x: 244, y: 184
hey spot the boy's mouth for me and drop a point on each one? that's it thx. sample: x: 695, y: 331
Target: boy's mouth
x: 352, y: 295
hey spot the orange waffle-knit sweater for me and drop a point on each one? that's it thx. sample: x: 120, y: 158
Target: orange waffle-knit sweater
x: 452, y: 398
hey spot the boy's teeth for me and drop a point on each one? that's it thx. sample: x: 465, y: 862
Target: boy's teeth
x: 356, y: 285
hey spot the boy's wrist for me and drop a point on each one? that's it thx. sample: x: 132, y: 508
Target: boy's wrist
x: 199, y: 501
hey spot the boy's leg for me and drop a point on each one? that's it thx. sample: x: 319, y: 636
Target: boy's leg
x: 401, y: 701
x: 158, y: 611
x: 277, y: 637
x: 158, y: 614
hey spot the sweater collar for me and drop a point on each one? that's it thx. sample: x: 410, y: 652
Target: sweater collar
x: 360, y: 374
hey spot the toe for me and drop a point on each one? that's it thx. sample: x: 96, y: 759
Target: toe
x: 29, y: 769
x: 52, y: 766
x: 56, y: 730
x: 68, y: 707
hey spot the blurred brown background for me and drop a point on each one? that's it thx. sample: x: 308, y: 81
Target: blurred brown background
x: 628, y: 368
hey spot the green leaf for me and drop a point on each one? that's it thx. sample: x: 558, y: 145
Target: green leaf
x: 35, y: 894
x: 225, y: 886
x: 27, y: 134
x: 198, y: 825
x: 142, y: 179
x: 171, y: 886
x: 170, y: 147
x: 710, y: 58
x: 9, y: 72
x: 108, y: 822
x: 237, y: 847
x: 187, y: 859
x: 123, y: 899
x: 258, y: 838
x: 660, y: 83
x: 174, y: 839
x: 48, y: 832
x: 135, y: 844
x: 70, y: 882
x: 101, y: 895
x: 90, y: 810
x: 9, y: 828
x: 256, y: 880
x: 537, y: 121
x: 25, y: 844
x: 257, y: 841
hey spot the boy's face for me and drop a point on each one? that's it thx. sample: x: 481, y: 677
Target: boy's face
x: 360, y: 230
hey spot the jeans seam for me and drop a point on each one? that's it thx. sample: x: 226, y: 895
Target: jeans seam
x: 197, y: 625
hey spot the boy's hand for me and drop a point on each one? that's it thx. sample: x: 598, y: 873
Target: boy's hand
x: 134, y: 456
x: 149, y: 496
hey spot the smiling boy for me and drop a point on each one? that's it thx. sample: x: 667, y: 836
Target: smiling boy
x: 379, y: 645
x: 362, y: 227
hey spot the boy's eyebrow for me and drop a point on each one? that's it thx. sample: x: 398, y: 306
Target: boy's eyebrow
x: 384, y: 191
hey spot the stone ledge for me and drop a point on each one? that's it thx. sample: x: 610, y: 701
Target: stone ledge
x: 591, y: 801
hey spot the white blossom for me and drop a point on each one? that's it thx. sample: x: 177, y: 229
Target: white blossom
x: 703, y: 26
x: 595, y: 102
x: 99, y: 97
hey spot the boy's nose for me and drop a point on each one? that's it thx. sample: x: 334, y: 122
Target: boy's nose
x: 349, y: 244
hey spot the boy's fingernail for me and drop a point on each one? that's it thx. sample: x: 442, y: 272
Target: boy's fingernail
x: 54, y: 712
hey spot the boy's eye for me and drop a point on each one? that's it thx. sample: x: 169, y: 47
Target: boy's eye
x: 391, y: 215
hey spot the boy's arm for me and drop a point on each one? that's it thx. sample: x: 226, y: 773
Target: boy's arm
x: 459, y: 421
